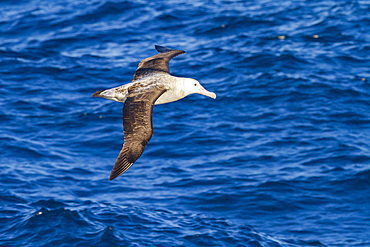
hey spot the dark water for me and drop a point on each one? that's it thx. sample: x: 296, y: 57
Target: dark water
x: 280, y: 158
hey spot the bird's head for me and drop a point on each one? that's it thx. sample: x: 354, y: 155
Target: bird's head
x: 193, y: 86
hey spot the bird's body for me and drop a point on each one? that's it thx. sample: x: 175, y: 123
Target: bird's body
x: 152, y: 84
x: 172, y: 84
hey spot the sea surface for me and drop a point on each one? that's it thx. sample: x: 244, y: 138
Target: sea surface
x: 281, y: 158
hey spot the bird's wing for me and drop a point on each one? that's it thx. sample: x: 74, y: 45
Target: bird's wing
x: 157, y: 63
x: 137, y: 125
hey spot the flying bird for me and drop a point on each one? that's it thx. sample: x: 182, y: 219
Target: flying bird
x: 152, y: 85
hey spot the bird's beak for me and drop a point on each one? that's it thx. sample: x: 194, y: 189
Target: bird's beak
x: 204, y: 92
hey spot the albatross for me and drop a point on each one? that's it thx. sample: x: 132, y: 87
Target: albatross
x: 152, y: 85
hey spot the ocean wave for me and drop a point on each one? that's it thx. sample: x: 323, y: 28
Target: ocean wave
x: 280, y: 158
x: 51, y: 224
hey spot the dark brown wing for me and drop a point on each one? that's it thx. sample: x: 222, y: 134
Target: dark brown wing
x: 157, y: 63
x: 138, y: 127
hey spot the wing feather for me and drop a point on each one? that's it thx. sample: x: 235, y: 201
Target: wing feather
x: 138, y: 127
x: 157, y: 63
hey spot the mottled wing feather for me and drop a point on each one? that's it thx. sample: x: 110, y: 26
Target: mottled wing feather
x: 137, y: 125
x: 157, y: 63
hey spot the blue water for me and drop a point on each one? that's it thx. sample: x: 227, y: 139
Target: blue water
x: 280, y: 158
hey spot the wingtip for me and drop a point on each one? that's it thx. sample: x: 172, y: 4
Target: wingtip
x: 121, y: 165
x: 113, y: 174
x: 163, y: 49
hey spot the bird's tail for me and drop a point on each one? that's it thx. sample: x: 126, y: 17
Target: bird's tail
x: 97, y: 93
x: 109, y: 94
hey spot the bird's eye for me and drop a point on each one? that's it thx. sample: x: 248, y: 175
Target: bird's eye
x: 195, y: 84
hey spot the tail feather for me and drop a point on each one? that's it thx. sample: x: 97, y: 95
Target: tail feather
x: 97, y: 93
x: 121, y: 164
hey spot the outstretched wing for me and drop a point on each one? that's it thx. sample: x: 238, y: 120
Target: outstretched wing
x: 157, y: 63
x: 137, y: 125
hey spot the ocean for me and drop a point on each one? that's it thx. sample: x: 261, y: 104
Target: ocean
x: 281, y: 158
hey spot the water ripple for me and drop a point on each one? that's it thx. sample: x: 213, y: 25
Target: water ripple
x: 280, y: 158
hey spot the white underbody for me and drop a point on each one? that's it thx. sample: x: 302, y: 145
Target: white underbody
x: 174, y: 86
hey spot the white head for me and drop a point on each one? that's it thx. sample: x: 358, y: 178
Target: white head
x: 193, y: 86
